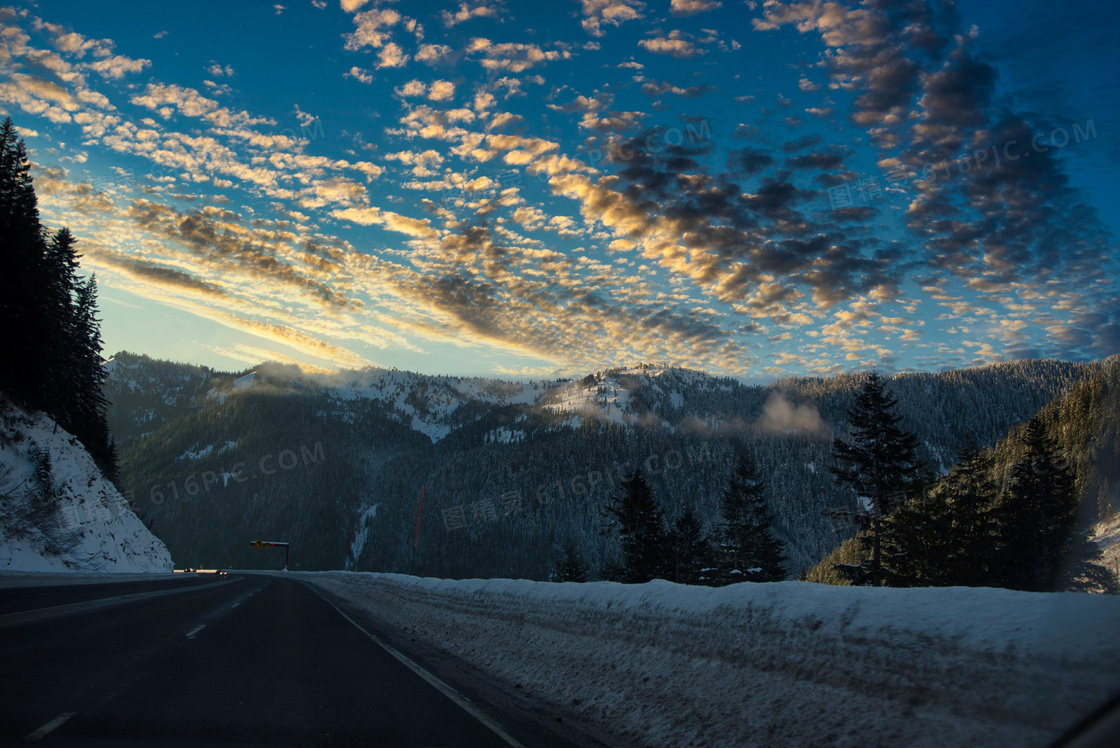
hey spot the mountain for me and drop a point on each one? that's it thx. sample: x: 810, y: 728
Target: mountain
x: 59, y: 512
x: 337, y: 463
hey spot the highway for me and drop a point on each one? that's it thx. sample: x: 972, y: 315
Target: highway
x: 243, y: 659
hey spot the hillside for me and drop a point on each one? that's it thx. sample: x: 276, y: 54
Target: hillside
x: 510, y: 470
x: 1084, y: 426
x: 58, y: 511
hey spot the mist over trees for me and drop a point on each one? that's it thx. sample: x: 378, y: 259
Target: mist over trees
x: 51, y: 335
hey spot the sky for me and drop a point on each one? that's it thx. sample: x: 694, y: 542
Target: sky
x: 531, y: 189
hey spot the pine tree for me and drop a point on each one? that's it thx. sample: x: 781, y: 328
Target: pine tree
x: 691, y: 550
x: 748, y: 548
x: 917, y: 541
x: 972, y: 495
x: 642, y: 530
x: 24, y: 336
x: 572, y: 567
x: 880, y: 466
x: 1043, y: 547
x: 50, y: 333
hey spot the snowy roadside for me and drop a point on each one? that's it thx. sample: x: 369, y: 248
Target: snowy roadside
x: 770, y: 664
x: 58, y: 513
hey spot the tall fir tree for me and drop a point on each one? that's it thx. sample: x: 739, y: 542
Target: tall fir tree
x: 49, y: 333
x: 641, y: 527
x: 24, y: 333
x: 747, y: 546
x: 880, y: 465
x: 691, y: 551
x: 972, y: 495
x: 1042, y: 545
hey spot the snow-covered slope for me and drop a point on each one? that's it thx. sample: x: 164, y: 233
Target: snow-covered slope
x: 57, y: 511
x: 789, y: 663
x: 429, y: 404
x: 1106, y: 535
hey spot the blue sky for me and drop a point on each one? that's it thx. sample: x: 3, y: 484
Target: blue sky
x: 522, y: 189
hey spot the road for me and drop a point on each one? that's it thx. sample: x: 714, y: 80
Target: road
x: 243, y: 659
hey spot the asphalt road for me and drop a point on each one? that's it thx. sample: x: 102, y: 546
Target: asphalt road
x: 245, y: 659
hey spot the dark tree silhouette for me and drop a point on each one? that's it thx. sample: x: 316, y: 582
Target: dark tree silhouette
x: 572, y: 567
x: 641, y: 526
x: 748, y: 548
x: 879, y: 465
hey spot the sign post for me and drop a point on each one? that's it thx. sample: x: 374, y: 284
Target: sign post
x: 274, y: 544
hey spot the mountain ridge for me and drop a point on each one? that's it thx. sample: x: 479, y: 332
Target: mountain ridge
x: 559, y: 445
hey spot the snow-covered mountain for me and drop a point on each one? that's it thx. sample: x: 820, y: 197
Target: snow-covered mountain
x: 510, y: 470
x: 59, y: 512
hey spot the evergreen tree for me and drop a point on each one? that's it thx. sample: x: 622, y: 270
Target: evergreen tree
x: 1043, y: 547
x: 24, y: 335
x: 917, y: 540
x: 50, y: 333
x: 641, y: 526
x: 879, y: 465
x: 972, y: 494
x: 748, y: 548
x: 572, y: 567
x: 691, y: 550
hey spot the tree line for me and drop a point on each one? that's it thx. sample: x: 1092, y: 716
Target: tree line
x: 967, y: 528
x: 51, y: 334
x: 743, y: 547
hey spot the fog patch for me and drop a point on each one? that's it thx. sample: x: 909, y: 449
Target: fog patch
x: 780, y: 416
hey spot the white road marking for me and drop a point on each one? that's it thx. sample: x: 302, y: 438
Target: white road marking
x: 438, y: 684
x: 196, y: 630
x: 50, y: 726
x: 234, y: 606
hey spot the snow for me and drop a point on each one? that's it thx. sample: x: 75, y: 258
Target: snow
x: 193, y: 455
x: 86, y: 526
x: 425, y: 403
x: 1107, y: 536
x: 789, y: 663
x: 502, y: 435
x: 245, y: 381
x: 361, y: 534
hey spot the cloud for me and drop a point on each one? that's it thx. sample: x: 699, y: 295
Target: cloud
x: 391, y: 56
x: 513, y: 57
x: 597, y: 13
x: 674, y: 45
x: 362, y: 76
x: 373, y: 27
x: 682, y: 8
x: 433, y: 54
x: 466, y: 13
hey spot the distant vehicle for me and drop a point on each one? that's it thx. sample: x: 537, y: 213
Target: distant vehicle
x: 220, y: 572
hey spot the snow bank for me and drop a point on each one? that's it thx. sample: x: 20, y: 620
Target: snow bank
x: 790, y: 663
x: 58, y: 513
